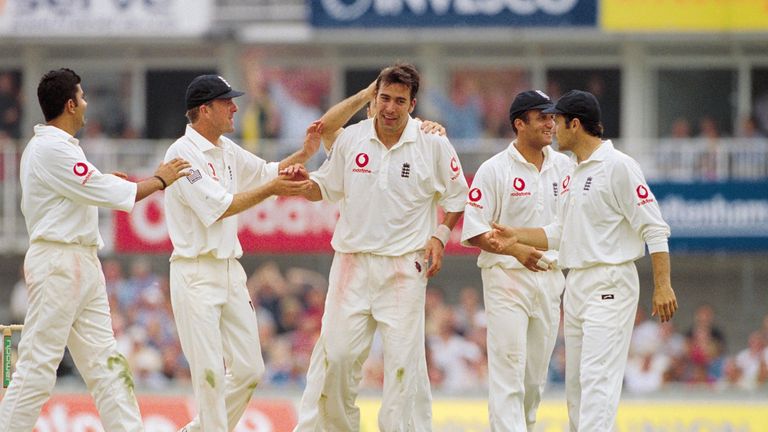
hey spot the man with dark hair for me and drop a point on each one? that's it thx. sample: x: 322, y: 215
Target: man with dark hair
x: 68, y: 307
x: 518, y: 187
x: 213, y: 311
x: 384, y: 255
x: 606, y: 216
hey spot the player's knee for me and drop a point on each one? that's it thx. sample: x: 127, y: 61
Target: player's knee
x: 252, y: 373
x: 338, y: 357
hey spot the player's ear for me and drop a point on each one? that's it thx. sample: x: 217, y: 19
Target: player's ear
x: 413, y: 105
x: 575, y: 122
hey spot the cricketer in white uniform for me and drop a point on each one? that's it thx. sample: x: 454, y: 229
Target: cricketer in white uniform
x: 333, y: 122
x: 518, y: 187
x: 68, y: 307
x: 214, y: 316
x: 388, y: 177
x: 606, y: 216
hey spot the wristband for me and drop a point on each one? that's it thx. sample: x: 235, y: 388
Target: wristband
x: 442, y: 233
x: 165, y: 185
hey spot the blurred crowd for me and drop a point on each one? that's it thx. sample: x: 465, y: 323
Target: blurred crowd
x: 659, y: 354
x: 708, y: 138
x: 289, y: 304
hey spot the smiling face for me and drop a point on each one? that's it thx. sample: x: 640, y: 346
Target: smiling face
x: 535, y: 129
x: 392, y: 108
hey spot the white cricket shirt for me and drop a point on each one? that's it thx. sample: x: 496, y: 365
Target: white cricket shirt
x: 605, y: 212
x: 194, y: 204
x: 388, y: 198
x: 511, y: 191
x: 61, y: 191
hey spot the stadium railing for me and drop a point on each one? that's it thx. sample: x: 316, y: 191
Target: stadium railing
x: 671, y: 160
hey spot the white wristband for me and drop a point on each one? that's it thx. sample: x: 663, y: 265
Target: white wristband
x: 442, y: 233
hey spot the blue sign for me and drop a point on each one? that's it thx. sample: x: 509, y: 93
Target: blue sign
x: 453, y: 13
x: 729, y: 216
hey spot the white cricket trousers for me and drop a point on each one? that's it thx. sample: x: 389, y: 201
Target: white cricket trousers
x: 367, y: 291
x: 600, y: 303
x: 219, y: 335
x: 68, y: 307
x: 523, y: 312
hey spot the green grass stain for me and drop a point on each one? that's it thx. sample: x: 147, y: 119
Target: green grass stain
x: 400, y: 375
x: 118, y: 360
x: 210, y: 378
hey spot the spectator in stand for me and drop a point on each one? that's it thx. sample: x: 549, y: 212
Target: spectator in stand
x: 645, y: 330
x: 646, y: 368
x: 468, y: 314
x: 297, y: 96
x: 145, y: 360
x: 259, y: 119
x: 673, y: 345
x: 704, y: 319
x: 461, y: 111
x: 142, y: 279
x: 749, y: 128
x: 266, y: 286
x: 681, y: 128
x: 703, y: 355
x: 459, y: 359
x: 290, y: 314
x: 10, y: 107
x: 743, y: 370
x: 116, y: 283
x: 707, y: 165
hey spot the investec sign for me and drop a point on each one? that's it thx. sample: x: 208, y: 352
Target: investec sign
x: 444, y: 13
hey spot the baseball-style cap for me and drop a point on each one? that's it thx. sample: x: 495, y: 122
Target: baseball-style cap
x: 206, y: 88
x: 528, y: 100
x: 578, y: 103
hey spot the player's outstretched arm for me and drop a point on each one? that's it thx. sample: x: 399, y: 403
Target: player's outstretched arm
x: 280, y: 186
x: 338, y: 115
x: 530, y: 257
x: 165, y: 175
x: 310, y: 147
x: 503, y: 237
x: 664, y: 300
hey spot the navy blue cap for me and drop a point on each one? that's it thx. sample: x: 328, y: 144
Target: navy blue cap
x: 206, y: 88
x: 578, y: 103
x: 529, y: 100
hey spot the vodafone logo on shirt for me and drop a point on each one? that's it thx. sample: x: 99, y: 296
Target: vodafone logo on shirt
x: 518, y: 185
x: 566, y: 182
x: 81, y: 170
x: 454, y: 164
x: 474, y: 197
x: 643, y: 193
x: 361, y: 160
x: 455, y: 167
